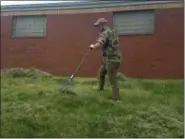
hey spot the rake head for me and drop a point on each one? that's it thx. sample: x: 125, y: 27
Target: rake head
x: 67, y: 87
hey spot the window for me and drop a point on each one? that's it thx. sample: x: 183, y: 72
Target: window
x: 134, y: 22
x: 29, y: 26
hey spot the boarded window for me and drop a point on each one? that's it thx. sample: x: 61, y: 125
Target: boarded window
x: 134, y: 22
x: 29, y: 26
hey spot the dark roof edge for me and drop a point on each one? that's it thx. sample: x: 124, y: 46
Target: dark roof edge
x: 79, y: 5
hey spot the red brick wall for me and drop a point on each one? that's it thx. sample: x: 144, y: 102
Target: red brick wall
x: 67, y: 41
x: 68, y: 36
x: 160, y: 55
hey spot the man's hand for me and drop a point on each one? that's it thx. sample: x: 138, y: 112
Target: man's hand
x: 92, y: 46
x: 97, y: 45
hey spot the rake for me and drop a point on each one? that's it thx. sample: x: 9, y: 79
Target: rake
x: 67, y: 85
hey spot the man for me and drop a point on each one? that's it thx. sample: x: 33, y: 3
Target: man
x: 108, y: 41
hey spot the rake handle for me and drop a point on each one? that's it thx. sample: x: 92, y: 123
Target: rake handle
x: 72, y: 76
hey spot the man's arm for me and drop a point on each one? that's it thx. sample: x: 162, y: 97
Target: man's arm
x: 101, y: 41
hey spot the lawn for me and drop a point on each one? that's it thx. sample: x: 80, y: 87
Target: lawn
x: 32, y: 107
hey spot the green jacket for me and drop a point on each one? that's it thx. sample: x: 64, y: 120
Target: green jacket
x: 111, y: 49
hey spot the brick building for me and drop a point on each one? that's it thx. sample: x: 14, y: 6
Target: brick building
x: 55, y: 37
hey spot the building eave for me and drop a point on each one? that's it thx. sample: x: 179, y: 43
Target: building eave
x: 78, y: 5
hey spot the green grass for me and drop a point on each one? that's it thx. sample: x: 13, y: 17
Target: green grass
x: 149, y: 108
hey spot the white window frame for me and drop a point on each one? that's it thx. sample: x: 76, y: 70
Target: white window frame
x: 136, y: 33
x: 27, y: 32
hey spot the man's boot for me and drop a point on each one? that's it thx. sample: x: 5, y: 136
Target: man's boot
x: 116, y: 94
x: 101, y: 83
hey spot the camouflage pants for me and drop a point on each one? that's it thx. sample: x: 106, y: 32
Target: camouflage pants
x: 111, y: 69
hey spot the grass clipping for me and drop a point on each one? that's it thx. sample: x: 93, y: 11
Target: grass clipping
x: 20, y: 72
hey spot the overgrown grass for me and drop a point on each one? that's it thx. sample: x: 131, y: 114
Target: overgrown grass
x: 31, y: 107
